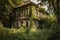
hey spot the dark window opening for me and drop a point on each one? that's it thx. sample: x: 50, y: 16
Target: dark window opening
x: 17, y: 24
x: 27, y: 23
x: 42, y: 24
x: 21, y: 23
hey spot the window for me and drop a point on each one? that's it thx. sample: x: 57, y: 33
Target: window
x: 16, y: 24
x: 16, y: 13
x: 26, y: 13
x: 21, y: 23
x: 27, y: 23
x: 36, y: 12
x: 28, y: 10
x: 22, y: 13
x: 36, y: 23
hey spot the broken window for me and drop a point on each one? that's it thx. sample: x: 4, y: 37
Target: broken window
x: 21, y: 23
x: 27, y: 23
x: 26, y: 12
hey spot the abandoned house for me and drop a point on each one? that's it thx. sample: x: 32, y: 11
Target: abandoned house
x: 26, y: 15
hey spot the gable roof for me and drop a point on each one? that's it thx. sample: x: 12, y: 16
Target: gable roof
x: 26, y: 5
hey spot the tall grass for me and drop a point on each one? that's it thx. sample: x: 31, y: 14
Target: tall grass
x: 34, y: 34
x: 20, y: 34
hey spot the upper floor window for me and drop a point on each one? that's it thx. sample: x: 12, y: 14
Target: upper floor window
x: 36, y: 12
x: 21, y: 13
x: 24, y: 12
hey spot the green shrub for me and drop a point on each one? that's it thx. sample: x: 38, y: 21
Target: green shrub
x: 18, y: 34
x: 34, y: 34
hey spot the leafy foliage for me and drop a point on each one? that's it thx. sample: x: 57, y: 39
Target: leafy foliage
x: 20, y: 34
x: 34, y: 34
x: 50, y: 30
x: 6, y: 10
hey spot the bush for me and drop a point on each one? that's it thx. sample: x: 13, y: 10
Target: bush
x: 20, y: 34
x: 49, y: 21
x: 34, y: 34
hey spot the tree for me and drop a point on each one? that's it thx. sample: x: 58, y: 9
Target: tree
x: 55, y: 4
x: 6, y: 7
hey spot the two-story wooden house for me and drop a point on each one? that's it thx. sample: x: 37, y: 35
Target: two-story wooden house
x: 26, y: 15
